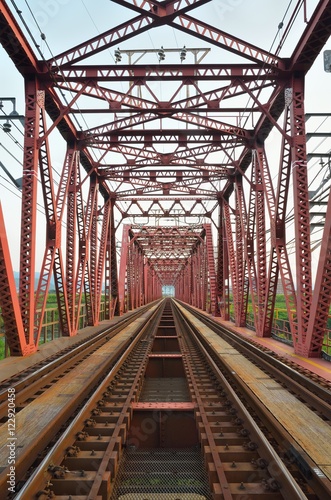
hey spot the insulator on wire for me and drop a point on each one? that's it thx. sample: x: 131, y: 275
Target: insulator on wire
x: 6, y: 127
x: 161, y: 54
x: 118, y: 55
x: 183, y: 54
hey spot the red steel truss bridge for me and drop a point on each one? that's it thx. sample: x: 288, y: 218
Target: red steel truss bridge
x: 176, y: 164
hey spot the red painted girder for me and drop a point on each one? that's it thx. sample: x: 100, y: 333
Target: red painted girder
x: 174, y: 200
x: 178, y: 157
x: 247, y: 221
x: 121, y: 32
x: 52, y: 229
x: 123, y: 123
x: 212, y: 124
x: 64, y: 109
x: 276, y: 103
x: 126, y: 171
x: 14, y: 42
x: 185, y: 157
x: 166, y: 254
x: 173, y: 14
x: 71, y: 247
x: 313, y: 39
x: 187, y: 185
x: 111, y: 279
x: 127, y: 102
x: 260, y: 234
x: 240, y: 264
x: 52, y: 261
x: 152, y: 175
x: 165, y: 190
x: 278, y: 260
x: 93, y: 253
x: 56, y: 109
x: 168, y: 263
x: 123, y: 269
x: 186, y: 117
x: 83, y: 278
x: 228, y: 42
x: 222, y: 278
x: 102, y: 256
x: 211, y: 271
x: 320, y: 307
x: 129, y: 212
x: 10, y: 309
x: 150, y: 137
x: 273, y: 271
x: 166, y: 8
x: 249, y: 231
x: 140, y: 74
x: 34, y: 99
x: 101, y: 42
x: 232, y: 259
x: 265, y: 108
x: 182, y: 231
x: 301, y: 212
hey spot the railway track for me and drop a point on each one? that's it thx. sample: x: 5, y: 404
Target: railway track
x: 30, y: 383
x: 167, y: 421
x: 309, y: 387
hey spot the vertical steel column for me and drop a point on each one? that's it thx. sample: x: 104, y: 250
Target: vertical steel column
x: 34, y: 102
x: 111, y: 280
x: 261, y: 263
x: 211, y: 272
x: 204, y: 276
x: 322, y: 293
x: 122, y: 283
x: 94, y: 253
x: 52, y: 227
x: 54, y: 209
x: 240, y: 266
x: 199, y: 276
x: 102, y: 256
x: 85, y: 214
x: 222, y: 279
x: 195, y: 282
x: 280, y: 227
x: 301, y: 213
x: 278, y: 259
x: 71, y: 245
x: 248, y: 226
x: 232, y: 261
x: 10, y: 309
x: 147, y: 282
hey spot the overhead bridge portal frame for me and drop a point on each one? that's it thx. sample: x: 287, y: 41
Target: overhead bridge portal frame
x: 212, y: 178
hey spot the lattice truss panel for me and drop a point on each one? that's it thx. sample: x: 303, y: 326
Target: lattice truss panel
x: 170, y: 148
x: 157, y: 256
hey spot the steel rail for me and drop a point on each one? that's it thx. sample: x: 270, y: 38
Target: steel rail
x: 60, y: 418
x: 85, y: 457
x: 32, y: 380
x: 96, y: 404
x: 309, y: 389
x: 289, y: 486
x: 309, y: 469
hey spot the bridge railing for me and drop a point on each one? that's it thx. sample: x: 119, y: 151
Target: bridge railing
x: 51, y: 328
x: 51, y: 331
x: 281, y: 331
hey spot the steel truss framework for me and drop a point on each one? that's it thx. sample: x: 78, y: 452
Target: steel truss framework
x: 187, y: 156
